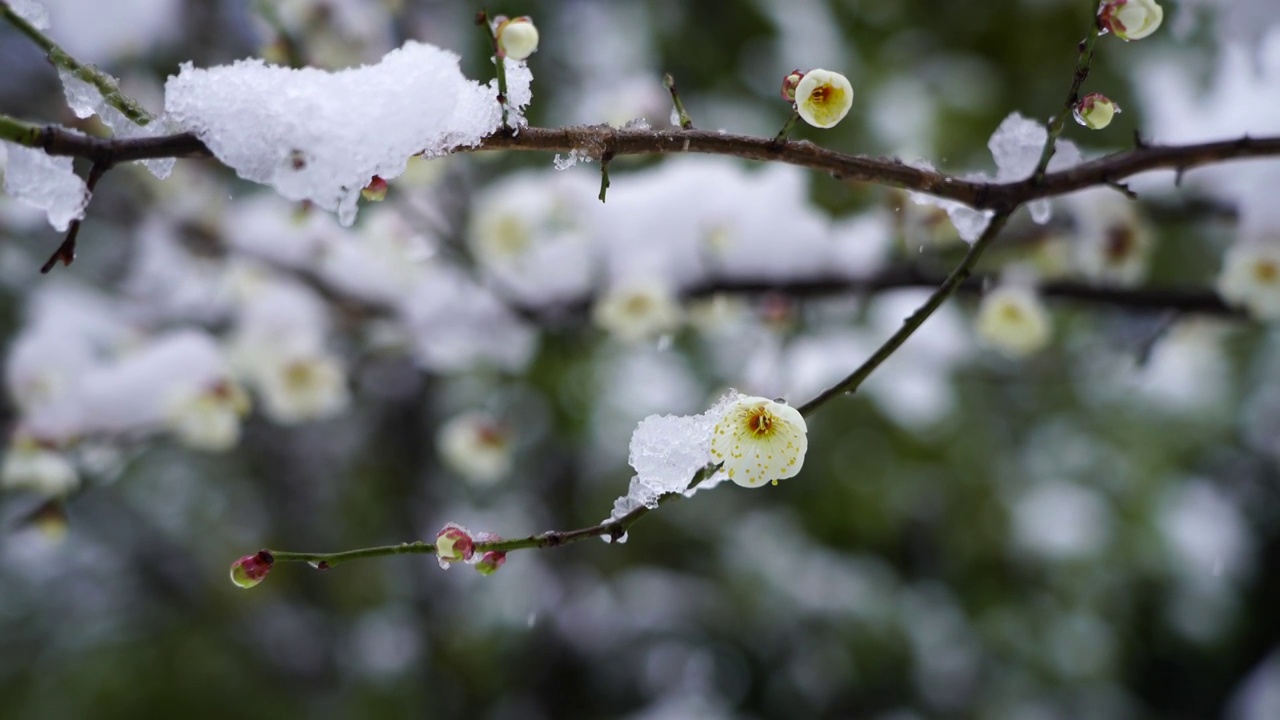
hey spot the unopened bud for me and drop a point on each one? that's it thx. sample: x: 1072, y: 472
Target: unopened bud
x: 1130, y: 19
x: 490, y: 562
x: 789, y: 84
x: 517, y: 38
x: 1095, y: 111
x: 250, y: 570
x: 454, y: 544
x: 375, y: 191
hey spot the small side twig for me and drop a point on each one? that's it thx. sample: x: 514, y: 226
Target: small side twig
x: 686, y: 122
x: 66, y: 252
x: 499, y: 64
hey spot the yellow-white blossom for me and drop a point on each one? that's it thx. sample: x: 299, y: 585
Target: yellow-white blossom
x: 759, y: 441
x: 638, y: 310
x: 302, y: 388
x: 1131, y: 19
x: 476, y: 446
x: 517, y: 38
x: 1250, y: 278
x: 823, y: 98
x: 1012, y: 320
x: 30, y: 466
x: 209, y: 418
x: 1114, y: 241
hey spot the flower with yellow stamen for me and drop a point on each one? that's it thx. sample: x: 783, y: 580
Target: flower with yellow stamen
x: 759, y: 440
x: 823, y: 98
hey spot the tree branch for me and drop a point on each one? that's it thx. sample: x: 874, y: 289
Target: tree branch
x: 627, y: 141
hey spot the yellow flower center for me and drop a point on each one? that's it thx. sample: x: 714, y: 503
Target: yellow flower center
x: 1012, y: 313
x: 299, y: 376
x: 759, y: 422
x: 1266, y: 271
x: 1120, y: 243
x: 639, y: 305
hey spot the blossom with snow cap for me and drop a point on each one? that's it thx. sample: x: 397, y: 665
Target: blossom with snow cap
x: 823, y: 97
x: 1250, y: 278
x: 759, y: 440
x: 1130, y: 19
x: 1012, y: 320
x: 1095, y: 111
x: 517, y: 38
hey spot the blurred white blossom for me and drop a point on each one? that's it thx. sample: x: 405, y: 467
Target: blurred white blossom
x: 476, y: 446
x: 1013, y: 320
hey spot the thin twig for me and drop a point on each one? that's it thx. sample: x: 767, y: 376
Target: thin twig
x: 686, y: 122
x: 957, y: 277
x: 66, y: 252
x: 105, y: 84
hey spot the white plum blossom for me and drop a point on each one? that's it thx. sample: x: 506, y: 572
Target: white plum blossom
x: 759, y: 441
x: 303, y: 388
x: 476, y: 446
x: 638, y: 310
x: 1130, y: 19
x: 1250, y: 278
x: 823, y: 98
x: 517, y: 38
x: 208, y: 418
x: 1114, y: 241
x: 1013, y: 320
x: 30, y: 466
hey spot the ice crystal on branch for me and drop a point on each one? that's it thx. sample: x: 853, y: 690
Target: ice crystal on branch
x: 321, y: 136
x: 49, y: 183
x: 666, y: 452
x: 1016, y: 146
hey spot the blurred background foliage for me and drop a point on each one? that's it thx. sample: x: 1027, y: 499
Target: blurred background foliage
x: 1076, y: 535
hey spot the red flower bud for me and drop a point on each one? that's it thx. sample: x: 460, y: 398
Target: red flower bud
x: 250, y: 570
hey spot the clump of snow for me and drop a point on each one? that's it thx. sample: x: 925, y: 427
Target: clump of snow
x: 31, y: 11
x: 666, y: 452
x: 49, y: 183
x: 320, y: 136
x: 1016, y: 146
x: 86, y: 101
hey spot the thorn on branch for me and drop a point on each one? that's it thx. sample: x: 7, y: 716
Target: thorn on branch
x: 604, y: 174
x: 1123, y: 189
x: 66, y: 252
x: 1138, y: 141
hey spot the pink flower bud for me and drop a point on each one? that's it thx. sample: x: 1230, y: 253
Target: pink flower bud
x: 250, y: 570
x: 789, y: 84
x: 375, y: 191
x: 490, y: 562
x: 454, y: 544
